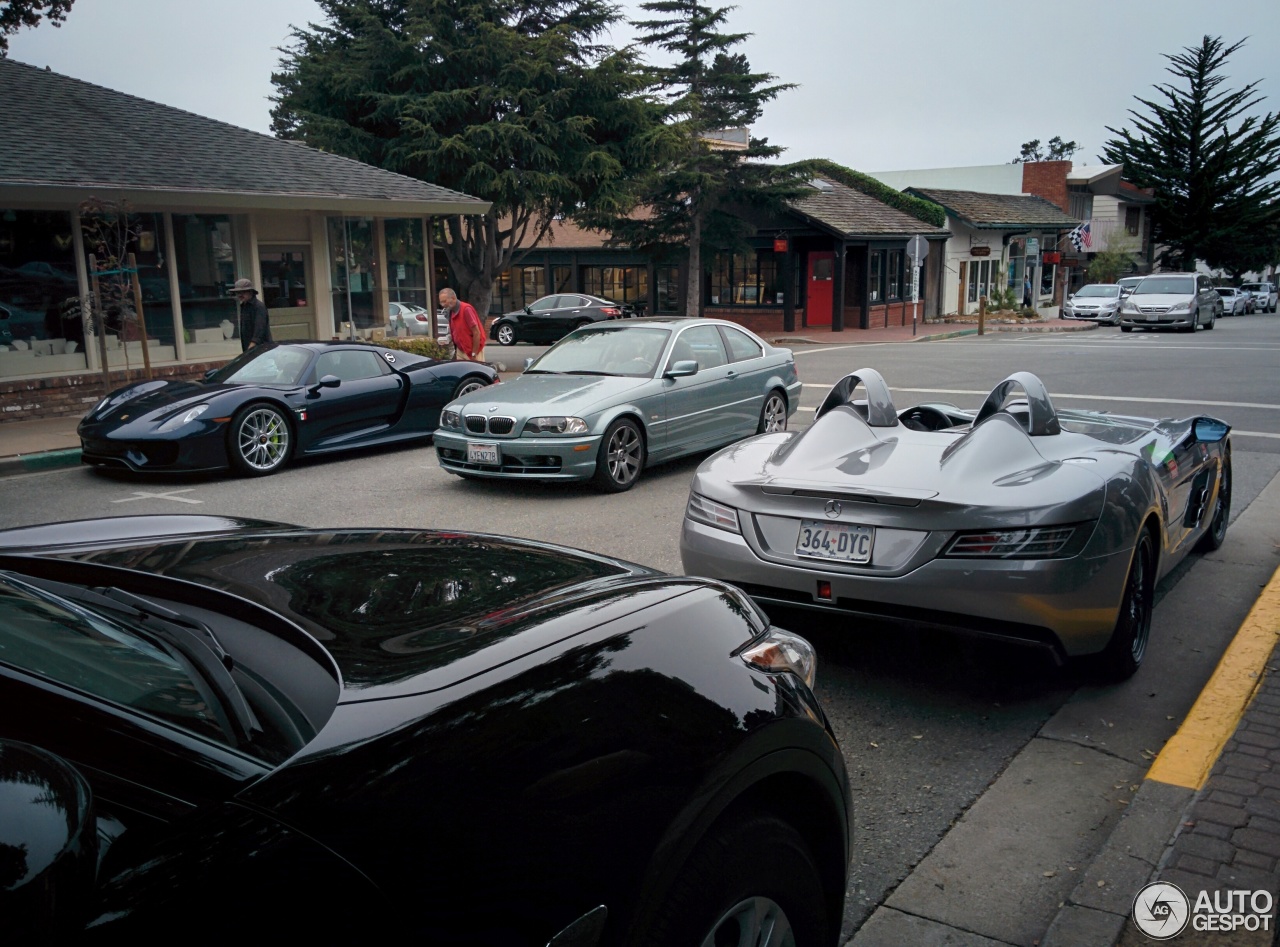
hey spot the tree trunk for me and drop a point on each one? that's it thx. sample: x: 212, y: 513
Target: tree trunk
x: 693, y: 302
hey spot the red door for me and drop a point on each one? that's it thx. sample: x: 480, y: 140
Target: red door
x: 817, y: 310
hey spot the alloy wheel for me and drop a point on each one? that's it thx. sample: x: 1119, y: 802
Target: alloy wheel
x: 506, y: 335
x: 623, y: 455
x: 773, y: 417
x: 755, y: 922
x: 263, y: 439
x: 468, y: 387
x: 1137, y: 604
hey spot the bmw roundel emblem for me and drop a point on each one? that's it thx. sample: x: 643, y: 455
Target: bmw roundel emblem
x: 833, y: 508
x: 492, y: 408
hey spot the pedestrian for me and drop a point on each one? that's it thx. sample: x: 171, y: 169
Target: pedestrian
x: 465, y: 326
x: 255, y: 324
x: 1026, y: 291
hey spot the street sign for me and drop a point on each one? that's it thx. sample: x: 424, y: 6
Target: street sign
x: 917, y: 249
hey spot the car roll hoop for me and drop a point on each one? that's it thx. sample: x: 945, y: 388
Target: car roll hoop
x: 1042, y: 418
x: 880, y: 411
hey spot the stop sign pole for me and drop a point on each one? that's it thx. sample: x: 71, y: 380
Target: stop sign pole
x: 917, y: 250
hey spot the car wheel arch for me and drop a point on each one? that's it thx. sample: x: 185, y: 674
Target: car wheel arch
x: 794, y: 785
x: 289, y: 411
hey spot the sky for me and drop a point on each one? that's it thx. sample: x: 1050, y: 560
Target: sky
x: 880, y: 85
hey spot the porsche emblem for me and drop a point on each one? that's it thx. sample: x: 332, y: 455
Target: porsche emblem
x: 833, y: 509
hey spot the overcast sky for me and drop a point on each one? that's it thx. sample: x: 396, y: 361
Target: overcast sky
x: 881, y: 85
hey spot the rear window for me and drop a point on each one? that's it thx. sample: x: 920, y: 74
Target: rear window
x: 1256, y: 287
x: 1099, y: 290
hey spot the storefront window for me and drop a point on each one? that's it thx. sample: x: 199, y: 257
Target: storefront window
x: 406, y: 266
x: 205, y: 251
x: 895, y: 274
x: 147, y: 248
x: 621, y: 284
x: 1047, y: 272
x: 37, y: 287
x: 875, y: 276
x: 562, y: 279
x: 518, y: 287
x: 746, y: 279
x: 973, y: 281
x: 352, y: 273
x: 668, y: 278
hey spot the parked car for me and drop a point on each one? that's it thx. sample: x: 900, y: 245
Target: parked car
x: 368, y: 735
x: 1180, y: 301
x: 1264, y: 295
x: 413, y: 319
x: 553, y: 317
x: 1234, y: 302
x: 610, y: 399
x: 1127, y: 283
x: 274, y: 403
x: 1019, y: 521
x: 1097, y: 302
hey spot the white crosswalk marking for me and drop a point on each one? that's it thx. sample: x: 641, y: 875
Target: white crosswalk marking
x: 166, y: 495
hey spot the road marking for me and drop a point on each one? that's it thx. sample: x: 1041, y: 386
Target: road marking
x: 1120, y: 398
x: 1191, y: 753
x: 167, y: 495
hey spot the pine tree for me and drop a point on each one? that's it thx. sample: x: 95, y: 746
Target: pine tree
x: 696, y: 195
x: 513, y: 101
x: 1214, y: 167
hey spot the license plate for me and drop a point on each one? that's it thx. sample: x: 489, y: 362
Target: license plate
x: 841, y: 541
x: 1153, y: 317
x: 482, y: 454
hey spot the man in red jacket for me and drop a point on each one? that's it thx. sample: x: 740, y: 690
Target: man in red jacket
x: 465, y: 327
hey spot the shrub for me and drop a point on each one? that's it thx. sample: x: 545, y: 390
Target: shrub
x: 418, y: 346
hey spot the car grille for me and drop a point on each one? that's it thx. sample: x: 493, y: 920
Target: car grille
x: 534, y: 466
x: 479, y: 424
x: 1153, y: 309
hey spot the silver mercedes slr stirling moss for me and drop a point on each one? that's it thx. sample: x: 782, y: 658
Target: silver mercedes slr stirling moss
x: 1020, y: 522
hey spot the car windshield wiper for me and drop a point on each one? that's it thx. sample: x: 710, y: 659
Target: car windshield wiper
x: 541, y: 371
x: 583, y: 371
x: 189, y: 637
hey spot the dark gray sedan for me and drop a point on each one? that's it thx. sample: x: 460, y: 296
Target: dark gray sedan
x: 553, y: 317
x: 612, y: 398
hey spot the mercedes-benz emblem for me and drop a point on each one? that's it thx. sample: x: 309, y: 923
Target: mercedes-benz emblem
x: 833, y: 508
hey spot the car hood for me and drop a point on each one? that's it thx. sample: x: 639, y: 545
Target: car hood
x: 399, y: 611
x: 1161, y: 299
x: 1106, y: 302
x: 156, y: 399
x: 572, y: 395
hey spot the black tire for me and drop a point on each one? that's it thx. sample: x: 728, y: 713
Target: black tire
x: 773, y: 413
x: 259, y: 440
x: 621, y: 457
x: 1126, y: 328
x: 748, y: 872
x: 1213, y: 317
x: 504, y: 333
x: 1217, y: 531
x: 1128, y: 645
x: 468, y: 385
x: 579, y: 324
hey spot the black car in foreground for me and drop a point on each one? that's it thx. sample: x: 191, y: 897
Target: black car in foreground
x: 211, y: 727
x: 551, y: 318
x: 274, y: 403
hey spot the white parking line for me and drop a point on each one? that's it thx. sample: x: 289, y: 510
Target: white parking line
x: 983, y: 394
x: 167, y: 495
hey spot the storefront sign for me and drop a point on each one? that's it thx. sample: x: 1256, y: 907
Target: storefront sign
x: 1052, y: 256
x: 1033, y: 246
x: 979, y: 251
x: 779, y: 244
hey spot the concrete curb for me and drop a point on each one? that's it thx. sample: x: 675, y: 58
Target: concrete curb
x: 43, y: 460
x: 938, y: 336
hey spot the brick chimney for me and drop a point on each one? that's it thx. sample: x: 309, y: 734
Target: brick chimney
x: 1047, y: 179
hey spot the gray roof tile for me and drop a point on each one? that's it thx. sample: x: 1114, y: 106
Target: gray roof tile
x: 998, y: 210
x: 62, y: 132
x: 852, y: 213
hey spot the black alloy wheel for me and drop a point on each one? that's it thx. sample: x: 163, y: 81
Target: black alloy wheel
x: 730, y: 893
x: 1128, y: 645
x: 773, y: 413
x: 467, y: 386
x: 259, y: 440
x: 506, y: 333
x: 1217, y: 532
x: 621, y: 457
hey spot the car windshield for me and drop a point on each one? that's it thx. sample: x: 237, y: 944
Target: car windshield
x: 1098, y: 289
x: 1226, y: 291
x: 1166, y: 285
x: 1252, y: 287
x: 607, y: 350
x: 266, y: 365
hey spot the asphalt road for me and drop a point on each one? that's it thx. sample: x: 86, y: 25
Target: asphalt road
x: 927, y: 722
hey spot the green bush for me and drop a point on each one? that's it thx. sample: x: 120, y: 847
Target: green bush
x: 418, y: 346
x: 918, y: 208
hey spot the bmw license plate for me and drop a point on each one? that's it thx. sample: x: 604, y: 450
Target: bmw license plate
x: 841, y: 541
x: 482, y: 454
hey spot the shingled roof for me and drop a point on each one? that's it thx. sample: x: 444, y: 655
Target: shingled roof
x: 849, y: 212
x: 998, y: 211
x: 65, y: 139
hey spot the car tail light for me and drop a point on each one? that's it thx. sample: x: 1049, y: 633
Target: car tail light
x: 824, y: 590
x: 422, y: 317
x: 1044, y: 542
x: 611, y: 312
x: 779, y: 650
x: 707, y: 511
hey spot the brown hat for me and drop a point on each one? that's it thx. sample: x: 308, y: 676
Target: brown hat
x: 243, y: 286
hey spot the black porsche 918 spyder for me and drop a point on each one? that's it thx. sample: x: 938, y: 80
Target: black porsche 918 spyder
x: 273, y: 403
x: 215, y: 729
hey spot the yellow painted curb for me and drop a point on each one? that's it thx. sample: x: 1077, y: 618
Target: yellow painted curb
x: 1191, y: 753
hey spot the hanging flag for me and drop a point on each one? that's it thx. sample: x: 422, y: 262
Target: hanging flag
x: 1080, y: 238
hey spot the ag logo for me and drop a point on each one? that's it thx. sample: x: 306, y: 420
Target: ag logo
x: 1161, y: 910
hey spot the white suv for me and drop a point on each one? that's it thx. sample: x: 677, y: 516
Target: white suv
x: 1264, y: 295
x: 1180, y: 301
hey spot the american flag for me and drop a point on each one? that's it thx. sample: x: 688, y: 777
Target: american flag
x: 1080, y: 237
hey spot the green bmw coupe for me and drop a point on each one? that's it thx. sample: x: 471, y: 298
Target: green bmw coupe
x: 609, y: 399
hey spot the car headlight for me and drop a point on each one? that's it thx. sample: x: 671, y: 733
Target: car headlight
x: 1180, y: 307
x: 555, y: 425
x: 178, y: 420
x: 779, y: 650
x: 451, y: 419
x: 1044, y: 542
x: 713, y: 514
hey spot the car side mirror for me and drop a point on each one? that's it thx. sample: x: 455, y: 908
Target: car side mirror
x: 681, y: 369
x: 1210, y: 430
x: 326, y: 381
x: 210, y: 373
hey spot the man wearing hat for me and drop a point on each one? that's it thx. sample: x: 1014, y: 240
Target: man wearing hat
x: 255, y: 326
